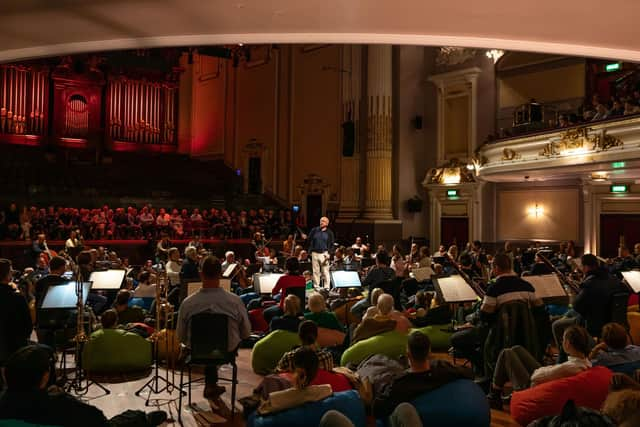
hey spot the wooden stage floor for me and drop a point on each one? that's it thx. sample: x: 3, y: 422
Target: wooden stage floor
x: 123, y: 397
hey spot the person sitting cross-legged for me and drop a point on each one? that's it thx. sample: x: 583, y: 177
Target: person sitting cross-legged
x: 27, y: 399
x: 291, y: 319
x: 386, y: 320
x: 308, y: 333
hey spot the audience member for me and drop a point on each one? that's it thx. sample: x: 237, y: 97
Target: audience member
x: 291, y: 317
x: 15, y: 321
x: 319, y: 315
x: 308, y: 333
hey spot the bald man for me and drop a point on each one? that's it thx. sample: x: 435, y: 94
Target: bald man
x: 320, y: 242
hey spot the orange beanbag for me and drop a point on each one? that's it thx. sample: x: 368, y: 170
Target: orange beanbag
x: 338, y: 382
x: 258, y: 324
x: 330, y: 337
x: 588, y: 388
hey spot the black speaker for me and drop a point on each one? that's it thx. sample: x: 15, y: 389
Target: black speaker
x: 348, y: 138
x: 414, y: 205
x: 417, y: 122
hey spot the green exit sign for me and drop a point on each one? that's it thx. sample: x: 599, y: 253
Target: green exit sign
x: 619, y: 188
x: 452, y: 193
x: 612, y: 67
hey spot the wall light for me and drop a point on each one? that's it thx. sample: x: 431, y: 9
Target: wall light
x: 536, y: 211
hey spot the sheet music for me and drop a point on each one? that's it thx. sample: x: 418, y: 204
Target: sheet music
x: 422, y: 274
x: 193, y: 287
x: 455, y: 289
x: 229, y: 271
x: 633, y: 279
x: 109, y: 279
x: 546, y: 286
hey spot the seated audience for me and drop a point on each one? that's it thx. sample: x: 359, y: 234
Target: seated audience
x: 308, y: 333
x: 291, y: 282
x: 291, y: 319
x: 613, y: 349
x: 430, y: 309
x: 212, y: 298
x: 15, y: 320
x: 386, y: 320
x: 126, y: 314
x: 377, y: 275
x: 424, y: 375
x: 319, y: 315
x: 373, y: 310
x: 27, y: 399
x: 517, y: 366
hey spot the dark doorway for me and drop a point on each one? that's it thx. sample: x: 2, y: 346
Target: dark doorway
x: 314, y: 210
x: 255, y: 175
x: 454, y: 231
x: 614, y: 228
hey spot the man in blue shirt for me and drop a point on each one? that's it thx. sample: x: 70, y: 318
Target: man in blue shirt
x: 320, y: 242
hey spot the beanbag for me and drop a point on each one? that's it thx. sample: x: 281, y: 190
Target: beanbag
x: 470, y: 407
x: 440, y: 340
x: 258, y: 324
x: 626, y: 368
x: 337, y: 381
x: 267, y: 352
x: 392, y: 344
x: 114, y: 351
x: 141, y: 302
x: 588, y: 388
x: 309, y: 414
x: 330, y: 337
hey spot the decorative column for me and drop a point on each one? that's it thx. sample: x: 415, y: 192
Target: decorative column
x: 377, y: 197
x: 589, y: 229
x: 350, y: 165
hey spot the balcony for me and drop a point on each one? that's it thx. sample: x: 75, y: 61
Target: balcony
x: 585, y: 148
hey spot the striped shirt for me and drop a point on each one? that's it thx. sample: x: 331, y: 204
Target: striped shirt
x: 325, y: 360
x: 508, y: 288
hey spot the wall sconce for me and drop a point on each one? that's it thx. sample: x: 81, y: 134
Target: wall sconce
x: 536, y: 211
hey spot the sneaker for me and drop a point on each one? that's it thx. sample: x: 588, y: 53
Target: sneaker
x: 213, y: 391
x: 155, y: 418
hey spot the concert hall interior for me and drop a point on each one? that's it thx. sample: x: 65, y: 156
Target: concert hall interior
x: 319, y: 213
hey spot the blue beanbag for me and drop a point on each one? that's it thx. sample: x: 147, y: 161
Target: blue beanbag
x: 459, y: 403
x: 246, y: 298
x: 626, y: 368
x: 141, y: 302
x: 309, y: 414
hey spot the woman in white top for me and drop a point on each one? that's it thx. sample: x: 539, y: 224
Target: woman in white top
x: 173, y: 266
x: 518, y: 366
x: 72, y: 242
x: 145, y: 289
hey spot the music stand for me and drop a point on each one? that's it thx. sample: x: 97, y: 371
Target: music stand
x: 454, y: 289
x: 107, y: 280
x: 548, y: 288
x: 64, y: 296
x: 633, y: 280
x: 423, y: 274
x: 345, y: 279
x: 305, y: 266
x: 229, y: 271
x: 264, y: 283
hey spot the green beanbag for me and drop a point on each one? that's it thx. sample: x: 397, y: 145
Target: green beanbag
x: 113, y: 351
x: 267, y: 352
x: 392, y: 344
x: 440, y: 340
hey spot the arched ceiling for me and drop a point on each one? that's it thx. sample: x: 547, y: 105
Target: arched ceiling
x: 37, y: 28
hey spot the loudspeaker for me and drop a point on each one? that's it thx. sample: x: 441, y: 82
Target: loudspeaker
x: 348, y: 138
x: 417, y: 122
x: 414, y: 205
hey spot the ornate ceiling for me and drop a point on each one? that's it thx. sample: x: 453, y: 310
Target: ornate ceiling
x: 37, y: 28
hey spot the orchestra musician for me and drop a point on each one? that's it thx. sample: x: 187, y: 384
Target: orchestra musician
x: 288, y: 245
x: 174, y: 266
x: 320, y: 241
x: 592, y: 305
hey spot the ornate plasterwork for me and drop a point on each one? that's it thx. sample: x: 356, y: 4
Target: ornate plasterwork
x: 454, y: 172
x: 509, y: 154
x: 450, y: 55
x: 581, y: 139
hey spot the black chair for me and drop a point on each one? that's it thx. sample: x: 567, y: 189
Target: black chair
x: 209, y: 348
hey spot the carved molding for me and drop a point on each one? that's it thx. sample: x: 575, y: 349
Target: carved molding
x: 581, y: 139
x: 509, y: 154
x: 454, y: 172
x: 448, y: 55
x: 313, y: 184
